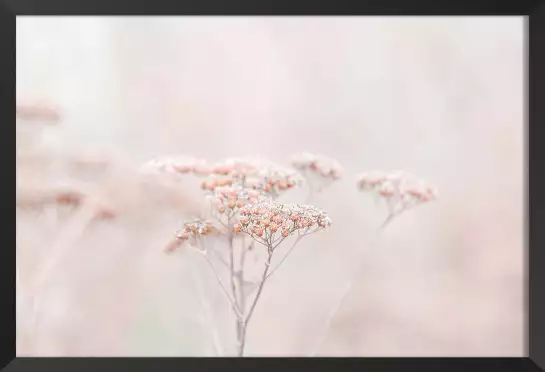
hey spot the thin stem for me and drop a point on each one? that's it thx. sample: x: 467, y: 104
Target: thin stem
x: 75, y: 228
x: 286, y: 255
x: 254, y: 303
x: 233, y: 303
x: 240, y: 337
x: 391, y: 216
x: 278, y: 242
x: 238, y: 298
x: 232, y: 266
x: 221, y: 259
x: 334, y: 311
x: 387, y: 221
x: 340, y: 301
x: 256, y: 240
x: 207, y: 313
x: 241, y: 275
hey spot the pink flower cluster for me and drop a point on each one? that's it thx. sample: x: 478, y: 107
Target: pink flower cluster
x: 318, y: 164
x: 252, y: 173
x: 269, y: 223
x: 213, y: 181
x: 400, y: 189
x: 190, y: 233
x: 237, y: 167
x: 227, y: 200
x: 195, y: 229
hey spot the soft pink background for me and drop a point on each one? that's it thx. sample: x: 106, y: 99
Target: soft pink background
x: 441, y: 97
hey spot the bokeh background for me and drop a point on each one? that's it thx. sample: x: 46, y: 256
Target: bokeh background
x: 440, y: 97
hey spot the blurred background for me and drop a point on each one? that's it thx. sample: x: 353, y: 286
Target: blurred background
x: 440, y: 97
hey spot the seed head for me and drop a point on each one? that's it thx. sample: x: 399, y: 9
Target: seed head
x: 400, y: 189
x: 258, y: 174
x: 263, y: 220
x: 230, y: 200
x: 190, y: 232
x: 320, y: 165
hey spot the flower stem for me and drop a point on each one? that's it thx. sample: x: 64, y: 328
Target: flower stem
x: 244, y: 325
x: 344, y: 294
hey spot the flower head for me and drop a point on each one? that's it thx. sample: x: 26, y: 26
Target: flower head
x: 269, y: 223
x: 211, y: 182
x: 319, y: 165
x: 228, y: 200
x: 256, y: 173
x: 400, y: 189
x: 372, y: 180
x: 274, y: 179
x: 237, y: 167
x: 191, y: 232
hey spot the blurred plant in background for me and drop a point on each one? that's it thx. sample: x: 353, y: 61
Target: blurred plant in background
x: 239, y: 203
x: 426, y: 95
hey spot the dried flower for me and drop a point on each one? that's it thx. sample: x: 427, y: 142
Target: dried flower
x: 276, y: 179
x: 191, y: 232
x: 319, y: 164
x: 400, y: 189
x: 319, y: 171
x: 237, y: 167
x: 262, y: 220
x: 213, y: 181
x: 259, y: 174
x: 367, y: 181
x: 228, y: 200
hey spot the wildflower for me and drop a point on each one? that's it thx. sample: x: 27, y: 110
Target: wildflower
x: 237, y: 167
x: 277, y: 179
x: 370, y: 180
x: 191, y: 233
x: 213, y: 181
x: 262, y: 221
x: 255, y: 173
x: 400, y: 189
x: 230, y: 200
x: 319, y: 164
x: 318, y: 170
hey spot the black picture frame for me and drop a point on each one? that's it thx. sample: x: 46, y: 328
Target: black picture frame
x: 534, y: 11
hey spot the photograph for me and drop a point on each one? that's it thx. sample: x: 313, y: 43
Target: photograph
x: 270, y: 186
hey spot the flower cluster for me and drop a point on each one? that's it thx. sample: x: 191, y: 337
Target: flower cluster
x: 213, y: 181
x: 237, y: 167
x: 227, y: 200
x: 278, y: 178
x: 270, y: 223
x: 190, y: 233
x: 253, y: 173
x: 195, y: 230
x: 401, y: 189
x: 318, y: 164
x: 177, y: 165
